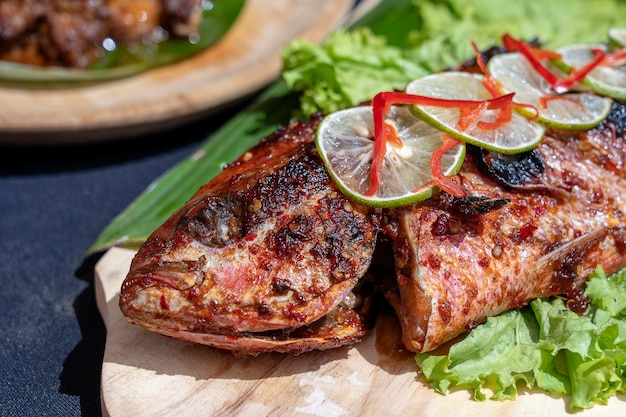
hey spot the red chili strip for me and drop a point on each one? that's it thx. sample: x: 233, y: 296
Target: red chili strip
x: 491, y: 84
x: 545, y: 100
x: 469, y: 115
x: 495, y: 88
x: 380, y: 106
x: 470, y: 110
x: 384, y: 133
x: 444, y: 183
x: 534, y: 56
x: 389, y: 98
x: 505, y: 105
x: 512, y: 45
x: 615, y: 59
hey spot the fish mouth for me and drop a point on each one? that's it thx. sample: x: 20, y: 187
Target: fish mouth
x: 339, y: 327
x: 180, y: 275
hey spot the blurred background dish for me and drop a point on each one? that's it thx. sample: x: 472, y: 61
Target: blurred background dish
x: 246, y: 59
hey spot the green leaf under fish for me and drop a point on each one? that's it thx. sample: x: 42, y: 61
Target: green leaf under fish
x: 544, y: 345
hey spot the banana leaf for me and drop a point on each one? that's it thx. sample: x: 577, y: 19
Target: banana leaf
x: 174, y: 187
x: 127, y: 60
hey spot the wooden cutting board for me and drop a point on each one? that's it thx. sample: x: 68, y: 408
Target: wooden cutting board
x: 146, y: 374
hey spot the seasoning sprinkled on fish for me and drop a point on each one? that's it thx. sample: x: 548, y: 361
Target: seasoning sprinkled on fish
x: 272, y: 256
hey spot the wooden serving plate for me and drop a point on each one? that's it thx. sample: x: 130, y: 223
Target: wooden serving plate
x: 146, y: 374
x: 245, y: 60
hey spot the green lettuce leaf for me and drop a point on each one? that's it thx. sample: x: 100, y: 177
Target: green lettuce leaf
x: 351, y: 67
x: 608, y: 295
x: 495, y: 355
x: 418, y: 37
x: 543, y: 345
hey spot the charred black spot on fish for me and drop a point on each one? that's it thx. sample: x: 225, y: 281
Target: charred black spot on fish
x: 289, y: 240
x: 617, y: 118
x: 281, y: 286
x: 350, y: 237
x: 516, y: 171
x: 265, y: 311
x: 472, y: 205
x: 215, y: 221
x: 287, y: 187
x: 441, y: 226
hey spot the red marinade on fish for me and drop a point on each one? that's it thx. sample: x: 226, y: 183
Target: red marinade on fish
x: 270, y: 256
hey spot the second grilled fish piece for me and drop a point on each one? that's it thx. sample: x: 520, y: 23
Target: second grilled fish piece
x: 461, y: 261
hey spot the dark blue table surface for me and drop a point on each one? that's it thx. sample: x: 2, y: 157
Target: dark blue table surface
x: 54, y: 202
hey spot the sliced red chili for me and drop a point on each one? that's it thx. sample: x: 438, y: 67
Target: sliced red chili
x: 469, y: 115
x: 438, y: 177
x: 615, y: 59
x: 534, y: 56
x: 545, y: 100
x: 470, y: 111
x: 505, y: 105
x: 495, y: 88
x: 491, y: 84
x: 380, y: 107
x: 512, y: 45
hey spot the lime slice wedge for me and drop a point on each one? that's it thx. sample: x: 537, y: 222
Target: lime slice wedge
x: 605, y: 80
x: 519, y: 135
x: 570, y: 111
x: 617, y: 37
x: 345, y: 142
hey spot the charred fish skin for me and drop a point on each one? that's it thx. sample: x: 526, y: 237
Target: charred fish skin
x: 455, y: 268
x: 258, y: 256
x: 266, y: 256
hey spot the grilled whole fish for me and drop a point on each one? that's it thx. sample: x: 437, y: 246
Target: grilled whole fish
x: 270, y: 256
x: 265, y: 257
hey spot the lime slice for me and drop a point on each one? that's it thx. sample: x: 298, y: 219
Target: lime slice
x: 617, y: 37
x: 345, y: 142
x: 570, y: 111
x: 517, y: 136
x: 605, y: 80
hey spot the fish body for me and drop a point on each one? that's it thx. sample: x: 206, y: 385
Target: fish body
x: 270, y: 256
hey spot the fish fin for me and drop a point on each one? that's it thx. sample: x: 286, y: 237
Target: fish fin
x: 569, y: 265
